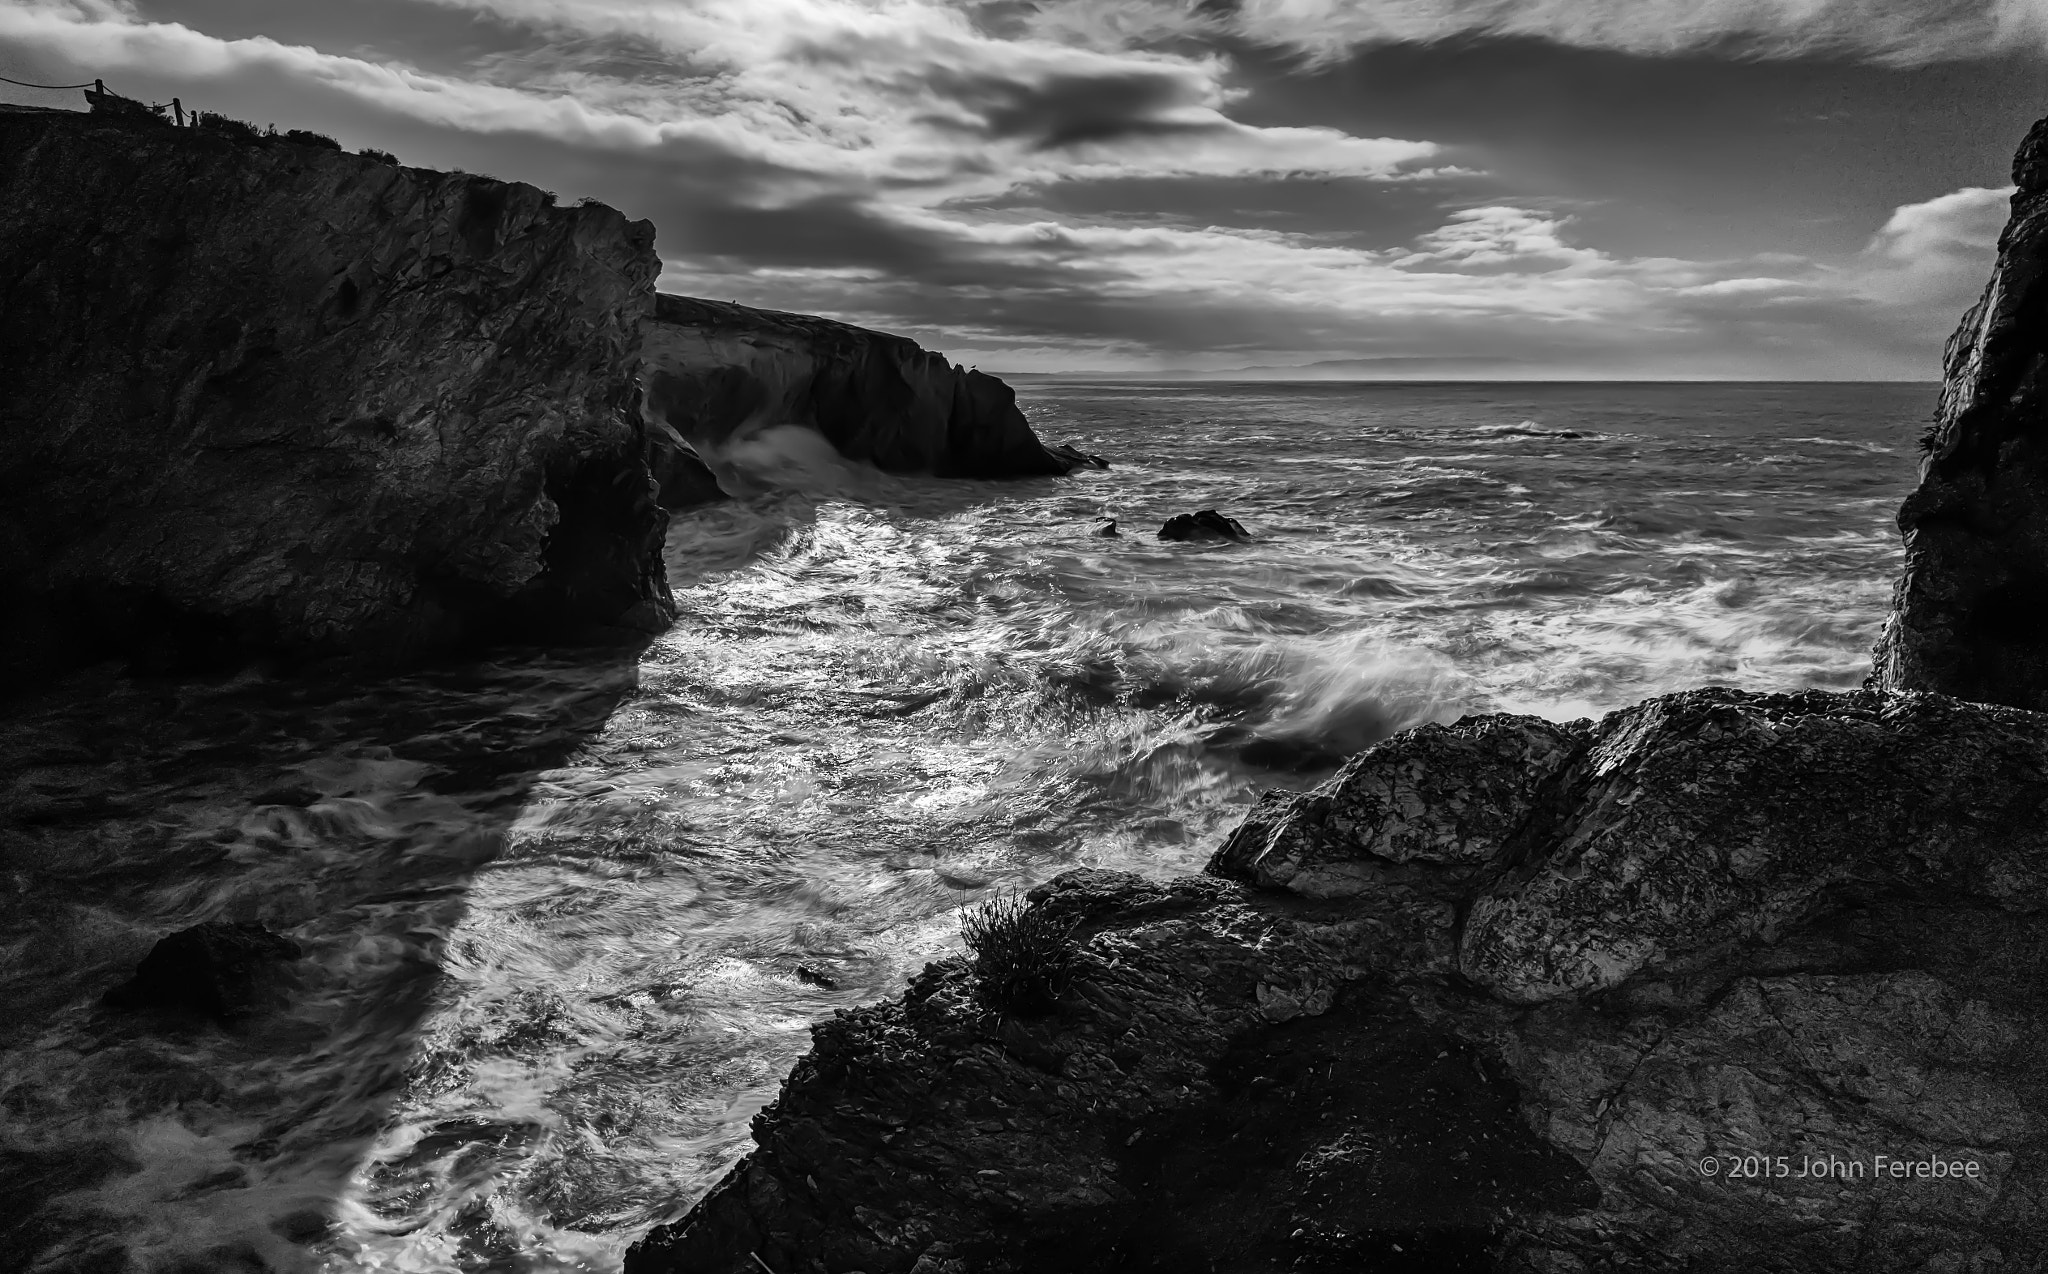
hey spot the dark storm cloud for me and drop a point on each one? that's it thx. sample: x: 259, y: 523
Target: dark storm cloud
x: 1070, y: 109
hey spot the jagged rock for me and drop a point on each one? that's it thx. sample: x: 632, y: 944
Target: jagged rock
x: 1970, y: 613
x: 1107, y: 530
x: 211, y: 970
x: 263, y: 395
x: 1077, y: 458
x: 1714, y: 926
x: 1205, y: 525
x: 716, y: 370
x: 682, y: 480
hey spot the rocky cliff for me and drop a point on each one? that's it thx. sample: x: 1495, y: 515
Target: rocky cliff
x: 1669, y: 991
x: 264, y: 394
x: 714, y: 371
x: 1970, y: 614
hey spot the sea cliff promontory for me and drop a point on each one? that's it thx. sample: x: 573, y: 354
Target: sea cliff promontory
x: 1721, y: 981
x: 265, y: 395
x: 1970, y: 615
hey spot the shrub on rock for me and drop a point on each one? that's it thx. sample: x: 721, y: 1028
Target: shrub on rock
x: 1023, y: 956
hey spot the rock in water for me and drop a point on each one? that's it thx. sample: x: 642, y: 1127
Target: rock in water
x: 1205, y: 525
x: 211, y: 970
x: 1532, y: 978
x: 1970, y: 614
x: 1106, y: 530
x: 1078, y: 458
x: 264, y: 395
x: 716, y: 370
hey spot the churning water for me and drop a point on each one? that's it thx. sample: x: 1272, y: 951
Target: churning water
x: 568, y: 917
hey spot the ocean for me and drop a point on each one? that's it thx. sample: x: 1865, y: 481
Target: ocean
x: 569, y: 916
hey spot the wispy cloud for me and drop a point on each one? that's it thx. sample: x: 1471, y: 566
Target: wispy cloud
x: 897, y: 161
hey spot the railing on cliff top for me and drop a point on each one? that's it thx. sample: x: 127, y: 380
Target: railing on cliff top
x: 103, y: 102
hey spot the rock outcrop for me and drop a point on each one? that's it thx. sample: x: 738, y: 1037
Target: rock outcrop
x: 1970, y: 614
x: 214, y: 970
x: 715, y: 371
x: 268, y: 395
x: 1205, y: 526
x: 1489, y: 998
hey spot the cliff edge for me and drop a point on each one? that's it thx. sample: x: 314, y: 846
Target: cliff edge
x: 716, y: 370
x: 269, y: 395
x: 1970, y: 614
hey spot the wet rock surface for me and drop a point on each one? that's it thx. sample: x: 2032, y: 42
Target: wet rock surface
x: 271, y: 396
x: 1207, y: 525
x: 716, y: 371
x: 1970, y: 612
x: 215, y: 970
x: 1487, y: 999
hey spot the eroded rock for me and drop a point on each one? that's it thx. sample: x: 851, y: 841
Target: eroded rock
x: 1970, y: 613
x: 1504, y: 988
x: 269, y: 396
x: 715, y: 370
x: 214, y: 970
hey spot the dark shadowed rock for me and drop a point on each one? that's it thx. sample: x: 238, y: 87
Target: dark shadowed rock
x: 211, y: 970
x: 682, y: 480
x: 1505, y: 985
x: 1077, y: 458
x: 1107, y: 529
x: 263, y: 395
x: 1205, y: 525
x: 716, y: 370
x: 1970, y: 614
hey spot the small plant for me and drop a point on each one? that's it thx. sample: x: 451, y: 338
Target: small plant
x: 214, y: 121
x: 381, y: 156
x: 1023, y: 957
x: 306, y: 137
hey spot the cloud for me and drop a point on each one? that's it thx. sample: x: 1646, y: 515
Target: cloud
x: 1892, y: 32
x: 899, y: 163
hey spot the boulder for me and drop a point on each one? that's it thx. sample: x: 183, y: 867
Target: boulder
x: 214, y: 970
x: 1107, y: 530
x: 1205, y: 525
x: 264, y: 396
x: 1674, y: 990
x: 1970, y: 613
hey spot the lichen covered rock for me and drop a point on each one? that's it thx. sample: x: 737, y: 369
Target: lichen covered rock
x: 264, y: 395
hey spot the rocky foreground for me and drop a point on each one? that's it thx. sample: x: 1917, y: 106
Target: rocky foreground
x: 1493, y: 997
x: 1721, y: 982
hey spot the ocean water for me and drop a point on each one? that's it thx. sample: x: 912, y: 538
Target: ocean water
x: 568, y: 917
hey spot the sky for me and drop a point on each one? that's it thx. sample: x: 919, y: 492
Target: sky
x: 1521, y: 189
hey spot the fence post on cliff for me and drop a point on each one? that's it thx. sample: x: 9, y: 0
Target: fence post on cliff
x: 179, y: 107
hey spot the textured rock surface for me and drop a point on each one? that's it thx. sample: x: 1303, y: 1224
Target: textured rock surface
x: 268, y: 395
x: 1564, y: 965
x: 1970, y: 614
x: 716, y: 371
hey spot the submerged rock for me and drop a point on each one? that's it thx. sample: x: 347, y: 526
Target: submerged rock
x: 1107, y: 530
x: 1970, y: 613
x: 1205, y: 525
x: 1530, y: 978
x: 264, y: 395
x: 213, y: 970
x: 716, y: 370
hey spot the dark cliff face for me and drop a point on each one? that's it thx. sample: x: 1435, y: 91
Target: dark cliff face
x: 1970, y: 615
x: 714, y: 370
x: 264, y: 395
